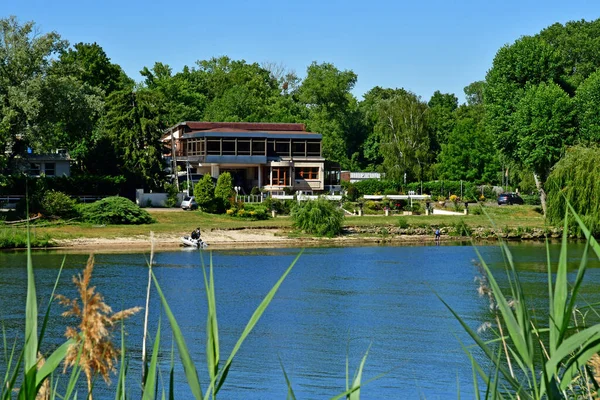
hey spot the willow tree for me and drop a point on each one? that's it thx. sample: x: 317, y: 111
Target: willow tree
x: 405, y: 135
x: 576, y: 179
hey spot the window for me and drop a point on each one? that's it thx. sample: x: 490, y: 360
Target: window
x: 299, y: 148
x: 258, y: 147
x: 280, y: 175
x: 307, y: 172
x: 50, y: 169
x: 213, y: 147
x: 34, y: 169
x: 282, y: 148
x: 228, y: 147
x: 313, y: 149
x: 243, y: 147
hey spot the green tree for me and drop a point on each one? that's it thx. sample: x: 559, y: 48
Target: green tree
x: 587, y: 102
x: 544, y: 125
x: 519, y: 114
x: 369, y: 108
x: 134, y: 127
x: 223, y: 191
x: 442, y: 107
x: 333, y: 111
x: 404, y: 136
x: 577, y: 44
x: 474, y: 93
x: 89, y: 64
x: 204, y: 192
x: 25, y: 58
x: 469, y: 154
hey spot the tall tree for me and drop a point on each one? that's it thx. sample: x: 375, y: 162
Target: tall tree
x: 510, y: 105
x: 441, y: 118
x: 25, y: 58
x: 404, y: 136
x: 474, y: 93
x: 544, y: 125
x: 134, y: 127
x: 326, y: 93
x: 588, y: 109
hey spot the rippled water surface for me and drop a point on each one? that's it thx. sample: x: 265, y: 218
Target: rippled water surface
x: 337, y: 302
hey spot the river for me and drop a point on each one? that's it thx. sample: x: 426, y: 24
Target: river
x: 337, y: 302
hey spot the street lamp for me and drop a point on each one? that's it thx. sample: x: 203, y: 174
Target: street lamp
x: 237, y: 189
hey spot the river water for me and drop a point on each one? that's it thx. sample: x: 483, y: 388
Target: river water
x: 336, y: 303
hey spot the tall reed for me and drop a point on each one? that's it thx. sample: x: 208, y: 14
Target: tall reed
x: 532, y: 360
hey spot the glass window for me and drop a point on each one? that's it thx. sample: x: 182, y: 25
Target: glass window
x: 313, y: 149
x: 282, y: 148
x: 50, y: 169
x: 299, y: 148
x: 213, y: 147
x: 307, y: 173
x: 243, y: 147
x: 280, y: 176
x: 229, y: 147
x: 258, y: 147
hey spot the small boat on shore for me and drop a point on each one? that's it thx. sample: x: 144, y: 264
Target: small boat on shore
x: 197, y: 243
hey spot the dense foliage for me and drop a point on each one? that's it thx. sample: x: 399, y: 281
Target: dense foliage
x: 576, y: 179
x: 319, y: 217
x: 539, y: 97
x: 59, y: 204
x: 116, y: 211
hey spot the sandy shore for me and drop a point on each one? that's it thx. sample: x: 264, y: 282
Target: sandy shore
x: 230, y: 239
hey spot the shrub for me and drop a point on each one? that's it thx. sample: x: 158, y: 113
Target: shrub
x: 223, y: 192
x: 58, y: 204
x: 204, y: 192
x: 116, y: 211
x: 416, y: 208
x: 352, y: 193
x: 171, y: 191
x: 531, y: 199
x: 402, y: 223
x: 282, y: 207
x: 319, y: 217
x: 255, y: 191
x: 390, y: 192
x: 461, y: 228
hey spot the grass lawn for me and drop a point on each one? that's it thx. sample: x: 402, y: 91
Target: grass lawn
x: 178, y: 222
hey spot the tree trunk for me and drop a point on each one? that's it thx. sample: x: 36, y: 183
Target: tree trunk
x: 538, y: 185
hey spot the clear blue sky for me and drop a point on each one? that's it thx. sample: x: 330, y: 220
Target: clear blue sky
x: 422, y: 46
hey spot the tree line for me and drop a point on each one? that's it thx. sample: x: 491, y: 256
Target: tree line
x: 540, y: 95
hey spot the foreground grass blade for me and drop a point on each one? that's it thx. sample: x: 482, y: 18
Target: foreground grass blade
x: 150, y: 386
x: 184, y: 354
x: 52, y: 362
x: 31, y: 312
x: 252, y: 322
x: 120, y: 395
x: 290, y: 392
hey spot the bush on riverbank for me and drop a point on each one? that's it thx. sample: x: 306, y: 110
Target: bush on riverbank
x: 115, y: 211
x: 58, y: 204
x: 319, y: 217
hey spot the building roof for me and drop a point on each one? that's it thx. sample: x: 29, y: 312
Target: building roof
x: 249, y: 129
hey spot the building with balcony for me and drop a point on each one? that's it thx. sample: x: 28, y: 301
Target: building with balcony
x: 270, y: 156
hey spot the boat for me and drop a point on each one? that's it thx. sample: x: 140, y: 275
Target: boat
x: 198, y: 243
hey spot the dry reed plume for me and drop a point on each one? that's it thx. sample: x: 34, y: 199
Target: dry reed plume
x: 93, y: 351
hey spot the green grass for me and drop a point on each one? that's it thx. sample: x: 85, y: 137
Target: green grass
x: 177, y: 223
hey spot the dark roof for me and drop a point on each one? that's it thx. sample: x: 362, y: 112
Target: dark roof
x: 245, y: 126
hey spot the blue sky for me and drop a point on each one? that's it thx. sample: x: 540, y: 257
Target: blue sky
x: 421, y: 46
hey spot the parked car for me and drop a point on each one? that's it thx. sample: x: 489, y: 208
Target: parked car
x: 189, y: 203
x: 509, y: 198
